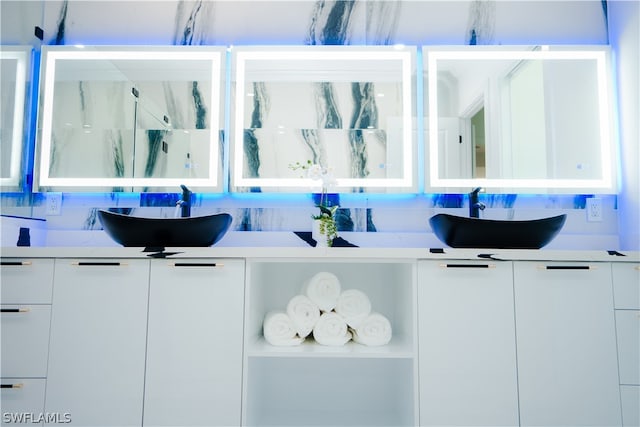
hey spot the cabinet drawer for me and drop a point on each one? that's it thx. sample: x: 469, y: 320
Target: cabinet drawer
x: 626, y: 285
x: 25, y: 340
x: 630, y: 405
x: 21, y: 398
x: 26, y: 281
x: 628, y: 331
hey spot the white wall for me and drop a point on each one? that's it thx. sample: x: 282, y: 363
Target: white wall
x: 624, y: 33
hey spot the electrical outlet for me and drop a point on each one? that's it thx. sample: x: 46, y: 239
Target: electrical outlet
x: 53, y: 204
x: 594, y: 209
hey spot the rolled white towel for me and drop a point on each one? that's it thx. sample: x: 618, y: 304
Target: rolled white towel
x: 278, y: 329
x: 373, y: 331
x: 304, y: 314
x: 323, y: 289
x: 354, y: 306
x: 331, y: 329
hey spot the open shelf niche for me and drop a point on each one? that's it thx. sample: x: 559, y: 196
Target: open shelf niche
x: 312, y: 384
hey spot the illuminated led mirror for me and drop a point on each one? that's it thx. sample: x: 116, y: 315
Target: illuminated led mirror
x: 116, y: 118
x: 345, y: 108
x: 526, y: 119
x: 14, y: 66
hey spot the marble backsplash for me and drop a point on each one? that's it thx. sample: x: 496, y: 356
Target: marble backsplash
x: 375, y: 220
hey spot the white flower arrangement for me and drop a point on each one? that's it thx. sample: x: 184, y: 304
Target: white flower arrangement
x: 326, y: 216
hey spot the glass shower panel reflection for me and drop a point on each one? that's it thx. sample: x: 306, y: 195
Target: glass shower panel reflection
x: 172, y: 139
x: 93, y: 125
x: 128, y: 130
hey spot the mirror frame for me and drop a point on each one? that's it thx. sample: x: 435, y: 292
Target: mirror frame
x: 52, y: 54
x: 404, y: 55
x: 605, y: 184
x: 22, y: 55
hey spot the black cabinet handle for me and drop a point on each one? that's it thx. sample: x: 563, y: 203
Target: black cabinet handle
x: 17, y: 385
x: 568, y: 267
x: 467, y: 265
x: 196, y: 264
x: 99, y: 264
x: 15, y: 310
x: 15, y: 262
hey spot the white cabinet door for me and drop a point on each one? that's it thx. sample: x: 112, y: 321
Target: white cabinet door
x: 467, y: 344
x: 628, y: 333
x: 97, y: 350
x: 626, y: 285
x: 566, y: 344
x: 194, y: 349
x: 630, y: 405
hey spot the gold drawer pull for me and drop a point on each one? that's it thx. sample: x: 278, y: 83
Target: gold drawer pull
x: 16, y: 385
x: 15, y: 310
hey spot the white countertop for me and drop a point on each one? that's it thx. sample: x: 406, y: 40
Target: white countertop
x: 321, y: 253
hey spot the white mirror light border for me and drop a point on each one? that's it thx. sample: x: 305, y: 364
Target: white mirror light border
x: 22, y: 55
x: 605, y: 184
x: 405, y: 56
x: 51, y: 54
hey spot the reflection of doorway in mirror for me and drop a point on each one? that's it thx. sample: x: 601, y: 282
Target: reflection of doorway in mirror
x: 472, y: 138
x: 453, y: 161
x: 526, y: 115
x: 478, y: 162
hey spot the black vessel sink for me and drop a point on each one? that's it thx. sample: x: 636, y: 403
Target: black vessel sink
x: 462, y: 232
x: 132, y: 231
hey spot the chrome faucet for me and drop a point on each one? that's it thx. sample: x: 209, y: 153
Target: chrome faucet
x: 185, y: 202
x: 474, y: 203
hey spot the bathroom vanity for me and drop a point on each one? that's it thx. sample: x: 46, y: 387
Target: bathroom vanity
x: 496, y: 338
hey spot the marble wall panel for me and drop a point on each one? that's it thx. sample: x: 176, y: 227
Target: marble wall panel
x: 323, y: 22
x: 312, y: 22
x: 296, y: 122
